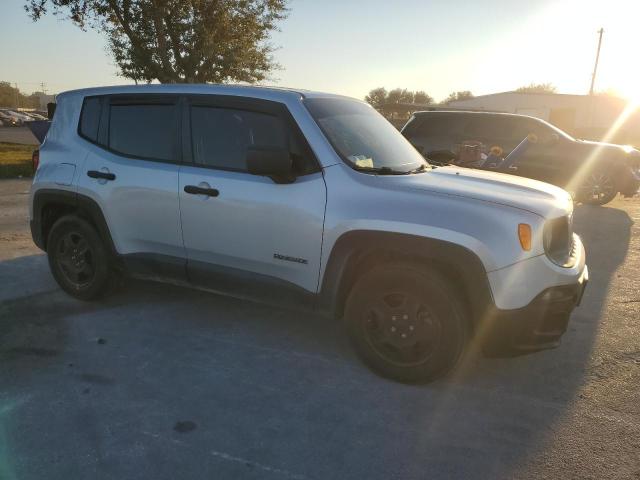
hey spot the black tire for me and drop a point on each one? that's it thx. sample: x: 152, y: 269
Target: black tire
x: 406, y: 323
x: 598, y: 188
x: 78, y: 258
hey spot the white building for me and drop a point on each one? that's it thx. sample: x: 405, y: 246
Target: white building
x: 584, y: 116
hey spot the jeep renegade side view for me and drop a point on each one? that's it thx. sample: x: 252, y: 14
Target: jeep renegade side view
x: 308, y: 199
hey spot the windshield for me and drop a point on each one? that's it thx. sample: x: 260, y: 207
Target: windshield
x: 561, y: 133
x: 363, y: 138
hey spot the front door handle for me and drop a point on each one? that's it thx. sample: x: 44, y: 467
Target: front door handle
x: 195, y: 190
x: 102, y: 175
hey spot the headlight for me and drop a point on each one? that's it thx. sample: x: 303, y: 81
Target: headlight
x: 558, y: 240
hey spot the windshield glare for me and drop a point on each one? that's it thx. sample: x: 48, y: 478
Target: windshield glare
x: 362, y: 137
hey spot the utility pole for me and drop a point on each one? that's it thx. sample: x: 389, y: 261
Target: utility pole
x: 17, y: 95
x: 43, y: 87
x: 595, y: 68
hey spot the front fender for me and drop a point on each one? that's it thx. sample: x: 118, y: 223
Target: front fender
x: 353, y: 252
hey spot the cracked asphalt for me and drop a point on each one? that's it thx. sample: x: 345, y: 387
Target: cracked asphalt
x: 160, y: 382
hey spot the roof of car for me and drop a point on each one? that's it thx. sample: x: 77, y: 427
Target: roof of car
x: 265, y: 92
x: 468, y: 112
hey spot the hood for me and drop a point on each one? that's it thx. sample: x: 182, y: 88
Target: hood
x: 610, y: 151
x: 610, y: 148
x: 540, y: 198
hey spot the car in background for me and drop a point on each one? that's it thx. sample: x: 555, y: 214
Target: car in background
x: 21, y: 115
x: 9, y: 120
x: 34, y: 116
x: 18, y: 119
x: 593, y: 172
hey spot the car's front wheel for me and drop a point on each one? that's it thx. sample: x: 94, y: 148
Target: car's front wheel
x: 598, y: 188
x: 78, y: 258
x: 406, y: 323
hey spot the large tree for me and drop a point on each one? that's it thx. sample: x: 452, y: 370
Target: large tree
x: 176, y: 41
x: 400, y: 95
x: 377, y: 97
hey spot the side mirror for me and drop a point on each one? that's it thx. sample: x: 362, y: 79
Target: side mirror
x: 271, y: 162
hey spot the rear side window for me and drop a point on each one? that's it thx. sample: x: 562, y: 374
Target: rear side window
x: 90, y: 118
x: 145, y: 131
x: 221, y: 136
x: 437, y: 125
x: 489, y: 127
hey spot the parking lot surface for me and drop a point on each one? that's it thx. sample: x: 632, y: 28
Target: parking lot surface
x: 17, y: 135
x: 160, y: 382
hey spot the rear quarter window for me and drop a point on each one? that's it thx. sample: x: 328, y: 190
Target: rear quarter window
x: 433, y: 126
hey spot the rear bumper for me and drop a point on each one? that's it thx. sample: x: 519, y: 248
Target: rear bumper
x: 36, y: 233
x: 537, y: 326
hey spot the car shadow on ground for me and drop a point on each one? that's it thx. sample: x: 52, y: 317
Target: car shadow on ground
x: 272, y: 390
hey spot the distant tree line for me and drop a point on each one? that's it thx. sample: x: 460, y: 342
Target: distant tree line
x: 378, y: 97
x: 12, y: 97
x: 537, y: 88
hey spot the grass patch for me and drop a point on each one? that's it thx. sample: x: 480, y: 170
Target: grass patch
x: 15, y: 160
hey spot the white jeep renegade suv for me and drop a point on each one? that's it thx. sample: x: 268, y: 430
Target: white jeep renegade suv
x: 307, y: 199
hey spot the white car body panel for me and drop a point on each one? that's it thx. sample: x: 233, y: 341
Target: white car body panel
x: 254, y: 218
x: 516, y: 285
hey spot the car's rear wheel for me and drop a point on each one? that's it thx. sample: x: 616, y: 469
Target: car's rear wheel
x: 78, y: 258
x: 406, y: 323
x: 598, y: 188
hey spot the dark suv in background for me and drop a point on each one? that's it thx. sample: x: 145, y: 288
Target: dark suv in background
x: 593, y: 172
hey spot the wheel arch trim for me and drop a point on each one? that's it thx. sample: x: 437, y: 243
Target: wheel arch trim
x: 354, y: 247
x: 82, y: 205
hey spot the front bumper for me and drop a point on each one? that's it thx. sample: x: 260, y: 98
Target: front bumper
x: 537, y: 326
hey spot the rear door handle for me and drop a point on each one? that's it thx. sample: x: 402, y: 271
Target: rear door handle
x: 103, y: 175
x: 195, y: 190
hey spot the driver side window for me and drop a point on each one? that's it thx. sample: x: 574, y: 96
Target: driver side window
x: 221, y: 136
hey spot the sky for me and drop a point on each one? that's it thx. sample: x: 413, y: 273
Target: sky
x: 352, y: 46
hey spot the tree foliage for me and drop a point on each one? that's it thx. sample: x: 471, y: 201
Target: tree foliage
x: 378, y: 97
x: 11, y: 97
x: 537, y: 88
x: 422, y: 98
x: 400, y: 95
x: 175, y: 41
x: 456, y: 96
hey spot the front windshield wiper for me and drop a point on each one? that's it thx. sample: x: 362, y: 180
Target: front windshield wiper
x: 421, y: 168
x: 390, y: 171
x: 378, y: 170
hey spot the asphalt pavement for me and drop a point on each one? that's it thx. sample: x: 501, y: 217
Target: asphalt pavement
x: 17, y: 135
x: 161, y: 382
